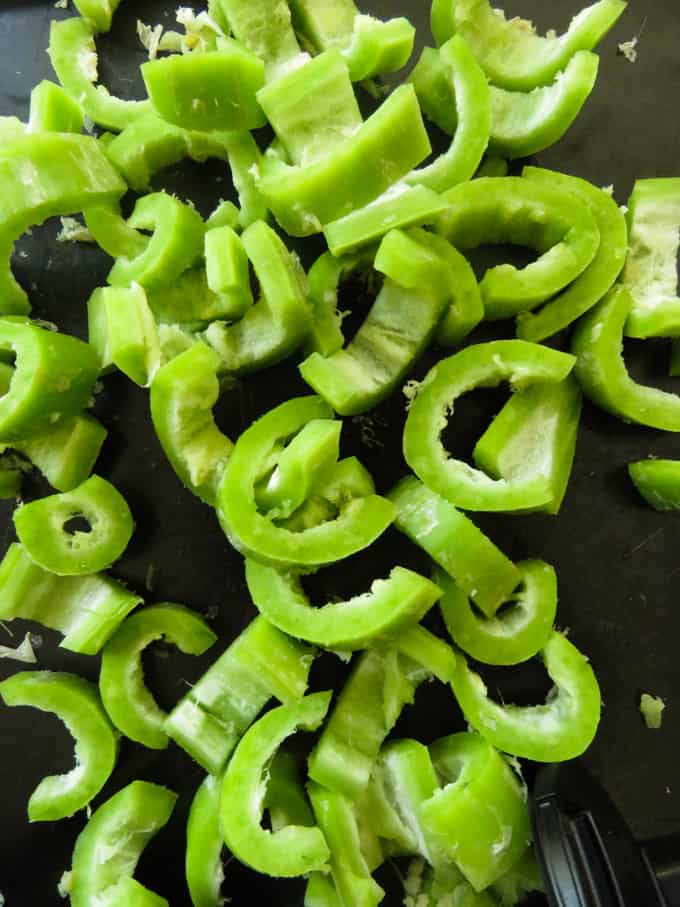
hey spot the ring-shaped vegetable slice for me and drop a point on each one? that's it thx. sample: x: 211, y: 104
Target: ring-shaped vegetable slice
x: 658, y: 481
x: 472, y: 105
x: 75, y: 702
x: 42, y: 528
x: 519, y: 632
x: 558, y: 225
x: 598, y: 278
x: 203, y: 860
x: 558, y: 730
x: 130, y: 705
x: 110, y: 845
x: 294, y: 849
x: 358, y: 523
x: 601, y: 371
x: 484, y: 364
x: 510, y: 52
x: 389, y: 607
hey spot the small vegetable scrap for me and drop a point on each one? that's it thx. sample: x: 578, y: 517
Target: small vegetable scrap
x: 651, y: 708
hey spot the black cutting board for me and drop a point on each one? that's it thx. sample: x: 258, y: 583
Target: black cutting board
x: 617, y: 560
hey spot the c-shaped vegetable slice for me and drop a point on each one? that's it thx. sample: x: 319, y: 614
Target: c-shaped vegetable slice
x: 510, y: 52
x: 75, y: 702
x: 519, y: 632
x: 128, y: 702
x: 483, y: 364
x: 53, y: 110
x: 183, y: 393
x: 658, y: 481
x: 203, y: 860
x: 294, y: 849
x: 110, y: 845
x: 359, y: 522
x: 558, y: 225
x: 600, y: 275
x: 561, y: 729
x: 601, y: 371
x: 42, y: 529
x: 379, y: 615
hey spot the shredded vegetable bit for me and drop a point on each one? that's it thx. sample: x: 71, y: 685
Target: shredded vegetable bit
x: 23, y: 652
x: 629, y: 49
x: 652, y: 708
x: 149, y: 37
x: 60, y: 4
x: 73, y: 231
x: 64, y: 886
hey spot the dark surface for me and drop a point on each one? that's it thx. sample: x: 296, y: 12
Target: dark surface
x: 617, y: 560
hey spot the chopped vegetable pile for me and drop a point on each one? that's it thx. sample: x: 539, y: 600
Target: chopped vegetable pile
x: 193, y: 305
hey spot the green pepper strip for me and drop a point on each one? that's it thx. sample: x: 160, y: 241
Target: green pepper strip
x: 600, y: 275
x: 510, y: 52
x: 227, y: 271
x: 347, y: 480
x: 75, y: 702
x: 519, y: 633
x: 53, y: 110
x: 278, y: 322
x: 360, y: 168
x: 264, y: 27
x: 469, y: 92
x: 190, y: 304
x: 203, y: 860
x: 244, y: 161
x: 601, y: 371
x: 650, y: 273
x: 658, y: 481
x: 370, y: 46
x: 456, y: 544
x: 86, y: 609
x: 41, y: 528
x: 561, y: 729
x: 183, y: 393
x: 484, y: 364
x: 379, y: 615
x: 349, y: 867
x: 320, y: 892
x: 98, y: 12
x: 535, y: 431
x: 359, y: 521
x: 128, y: 702
x: 42, y: 175
x: 123, y: 331
x: 74, y: 59
x: 294, y: 849
x: 108, y: 848
x: 212, y: 90
x: 479, y: 791
x: 558, y: 225
x: 211, y: 718
x: 53, y: 376
x: 66, y: 453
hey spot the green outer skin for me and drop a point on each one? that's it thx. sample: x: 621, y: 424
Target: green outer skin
x: 524, y: 123
x: 558, y: 225
x: 364, y: 165
x: 515, y: 636
x: 658, y: 481
x: 561, y: 729
x: 42, y: 175
x: 601, y: 273
x: 389, y: 607
x: 455, y: 543
x: 294, y: 849
x: 320, y: 892
x: 479, y: 790
x: 650, y: 273
x: 129, y: 704
x: 601, y: 371
x: 40, y: 528
x: 120, y: 828
x: 75, y: 702
x: 226, y: 214
x: 212, y: 90
x: 227, y: 270
x: 183, y: 393
x: 54, y: 375
x: 203, y: 859
x: 350, y: 869
x: 484, y: 364
x: 428, y: 651
x: 279, y: 321
x: 358, y: 523
x: 511, y: 55
x: 536, y: 430
x: 264, y: 28
x: 436, y: 93
x: 86, y: 609
x: 53, y: 110
x: 66, y: 454
x: 260, y: 663
x: 471, y: 97
x: 71, y: 44
x: 98, y: 12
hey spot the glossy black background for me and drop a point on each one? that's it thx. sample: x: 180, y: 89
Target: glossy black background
x: 617, y: 560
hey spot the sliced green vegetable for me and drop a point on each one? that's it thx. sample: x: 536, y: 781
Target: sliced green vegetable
x: 122, y: 330
x: 53, y: 110
x: 227, y: 271
x: 652, y: 708
x: 203, y: 860
x: 658, y: 481
x: 98, y: 12
x: 264, y: 27
x: 245, y: 162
